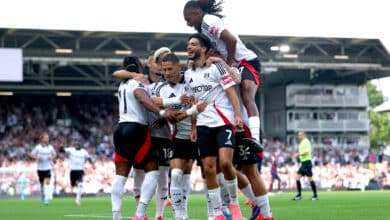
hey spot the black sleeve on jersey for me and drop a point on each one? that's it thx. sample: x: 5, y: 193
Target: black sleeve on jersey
x: 221, y: 69
x: 157, y: 90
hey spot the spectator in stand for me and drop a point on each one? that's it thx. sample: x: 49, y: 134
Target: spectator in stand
x: 274, y: 161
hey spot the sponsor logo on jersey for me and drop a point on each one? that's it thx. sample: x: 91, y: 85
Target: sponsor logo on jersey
x: 172, y: 95
x: 206, y: 75
x: 191, y: 81
x: 201, y: 88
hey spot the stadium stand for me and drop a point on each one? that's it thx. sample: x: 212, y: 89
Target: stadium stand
x: 90, y: 112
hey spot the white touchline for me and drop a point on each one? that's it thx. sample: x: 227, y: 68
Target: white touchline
x: 89, y: 216
x: 106, y: 216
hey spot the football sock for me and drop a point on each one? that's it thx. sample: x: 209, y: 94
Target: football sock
x: 46, y: 191
x: 263, y: 203
x: 248, y: 192
x: 116, y: 196
x: 79, y: 191
x: 139, y: 176
x: 299, y: 187
x: 162, y: 190
x: 313, y: 187
x: 254, y: 126
x: 148, y: 189
x: 187, y: 190
x: 232, y: 186
x: 215, y: 198
x: 210, y: 211
x: 177, y: 192
x: 225, y: 196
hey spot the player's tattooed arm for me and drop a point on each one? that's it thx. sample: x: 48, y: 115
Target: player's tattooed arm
x: 124, y: 74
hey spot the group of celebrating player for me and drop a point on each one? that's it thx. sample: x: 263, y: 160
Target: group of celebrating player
x: 171, y: 119
x: 209, y: 114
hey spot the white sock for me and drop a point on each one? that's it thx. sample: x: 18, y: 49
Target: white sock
x: 46, y: 191
x: 79, y: 191
x: 254, y: 127
x: 263, y: 203
x: 139, y: 176
x: 225, y: 196
x: 248, y: 192
x: 187, y: 190
x: 215, y: 198
x: 177, y: 192
x: 116, y: 196
x: 116, y: 215
x: 232, y: 185
x: 148, y: 189
x: 210, y: 211
x: 51, y: 191
x: 162, y: 190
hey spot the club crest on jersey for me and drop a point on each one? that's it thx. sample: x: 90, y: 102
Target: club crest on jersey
x: 141, y: 85
x: 214, y: 31
x: 206, y: 75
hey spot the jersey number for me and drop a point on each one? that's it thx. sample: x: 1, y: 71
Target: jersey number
x: 122, y: 96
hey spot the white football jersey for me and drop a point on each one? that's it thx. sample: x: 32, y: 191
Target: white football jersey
x: 212, y: 26
x: 77, y: 158
x: 44, y: 152
x: 130, y: 109
x: 208, y: 85
x: 162, y: 132
x: 169, y: 90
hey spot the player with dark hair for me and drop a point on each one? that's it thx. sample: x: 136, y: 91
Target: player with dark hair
x: 213, y: 129
x: 246, y: 158
x: 183, y: 150
x: 77, y: 157
x: 44, y: 153
x: 132, y: 140
x: 205, y: 16
x: 160, y: 135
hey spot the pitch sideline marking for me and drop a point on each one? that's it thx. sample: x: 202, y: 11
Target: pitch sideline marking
x: 104, y: 216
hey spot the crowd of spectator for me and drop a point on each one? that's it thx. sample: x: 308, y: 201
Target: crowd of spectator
x: 92, y: 120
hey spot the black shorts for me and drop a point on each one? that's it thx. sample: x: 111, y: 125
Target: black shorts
x: 163, y: 148
x: 133, y: 144
x: 76, y: 176
x: 305, y: 169
x: 43, y: 174
x: 244, y: 155
x: 250, y: 70
x: 211, y: 139
x: 184, y: 149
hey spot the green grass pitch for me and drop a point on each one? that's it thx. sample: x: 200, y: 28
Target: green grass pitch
x: 343, y: 205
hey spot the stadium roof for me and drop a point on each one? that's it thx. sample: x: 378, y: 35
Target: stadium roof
x: 90, y: 64
x: 367, y: 19
x: 384, y: 107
